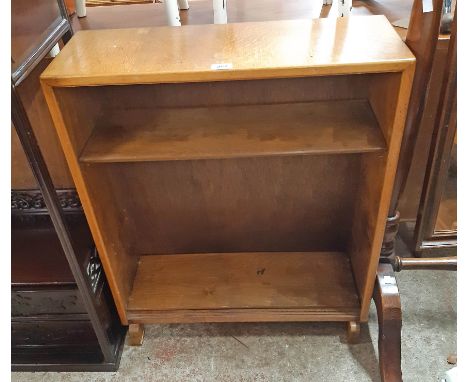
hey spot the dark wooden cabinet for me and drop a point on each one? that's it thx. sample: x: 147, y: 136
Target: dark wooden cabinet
x: 51, y: 327
x: 63, y: 316
x: 431, y: 189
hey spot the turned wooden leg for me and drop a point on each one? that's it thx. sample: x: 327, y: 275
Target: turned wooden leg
x: 136, y: 332
x: 387, y: 302
x: 391, y: 230
x: 354, y: 331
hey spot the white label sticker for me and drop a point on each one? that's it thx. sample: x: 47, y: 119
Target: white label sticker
x: 221, y: 66
x: 427, y: 6
x: 389, y: 280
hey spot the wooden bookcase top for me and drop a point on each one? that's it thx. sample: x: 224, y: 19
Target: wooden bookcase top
x: 274, y: 49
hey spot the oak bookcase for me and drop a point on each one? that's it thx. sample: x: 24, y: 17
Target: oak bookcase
x: 237, y: 172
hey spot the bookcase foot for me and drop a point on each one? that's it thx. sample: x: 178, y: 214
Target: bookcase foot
x: 136, y: 332
x: 354, y: 330
x: 387, y: 302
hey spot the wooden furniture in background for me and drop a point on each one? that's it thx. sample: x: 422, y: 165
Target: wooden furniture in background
x: 98, y: 3
x: 410, y: 198
x: 205, y: 208
x: 423, y: 32
x: 436, y: 227
x: 63, y: 316
x: 420, y: 187
x: 151, y: 15
x: 387, y: 303
x: 386, y: 294
x: 171, y: 8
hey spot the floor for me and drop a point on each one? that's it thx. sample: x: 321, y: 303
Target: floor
x: 293, y: 351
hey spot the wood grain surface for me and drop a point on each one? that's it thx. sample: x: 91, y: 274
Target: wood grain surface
x: 315, y: 281
x: 287, y: 48
x: 235, y: 131
x: 287, y: 203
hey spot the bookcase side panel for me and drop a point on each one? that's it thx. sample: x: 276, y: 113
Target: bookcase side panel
x: 74, y: 115
x: 389, y: 99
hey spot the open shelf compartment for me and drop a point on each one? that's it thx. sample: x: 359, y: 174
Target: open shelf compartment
x: 235, y: 131
x: 258, y: 193
x: 258, y: 286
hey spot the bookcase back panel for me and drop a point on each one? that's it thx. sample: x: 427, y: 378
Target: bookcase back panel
x: 237, y: 205
x: 222, y: 93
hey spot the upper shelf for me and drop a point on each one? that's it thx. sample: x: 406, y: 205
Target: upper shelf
x: 234, y: 131
x: 273, y: 49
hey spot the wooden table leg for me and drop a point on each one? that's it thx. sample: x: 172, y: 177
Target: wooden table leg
x: 387, y: 301
x: 136, y: 332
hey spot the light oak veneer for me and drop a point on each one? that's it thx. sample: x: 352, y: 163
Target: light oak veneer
x: 194, y: 179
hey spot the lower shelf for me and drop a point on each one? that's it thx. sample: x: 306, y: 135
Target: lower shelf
x: 244, y: 287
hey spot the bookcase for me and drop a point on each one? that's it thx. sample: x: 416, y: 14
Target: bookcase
x: 237, y: 172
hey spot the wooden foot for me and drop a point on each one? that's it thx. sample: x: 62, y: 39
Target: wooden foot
x: 387, y: 302
x: 136, y: 333
x: 354, y: 331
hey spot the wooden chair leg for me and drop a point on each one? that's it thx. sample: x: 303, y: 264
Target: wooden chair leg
x: 344, y: 7
x: 183, y: 4
x: 354, y: 332
x: 317, y: 6
x: 172, y: 13
x: 136, y: 332
x: 80, y: 6
x: 387, y: 301
x: 220, y: 11
x: 54, y: 51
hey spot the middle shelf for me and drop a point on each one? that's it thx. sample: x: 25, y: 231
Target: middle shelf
x: 163, y: 134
